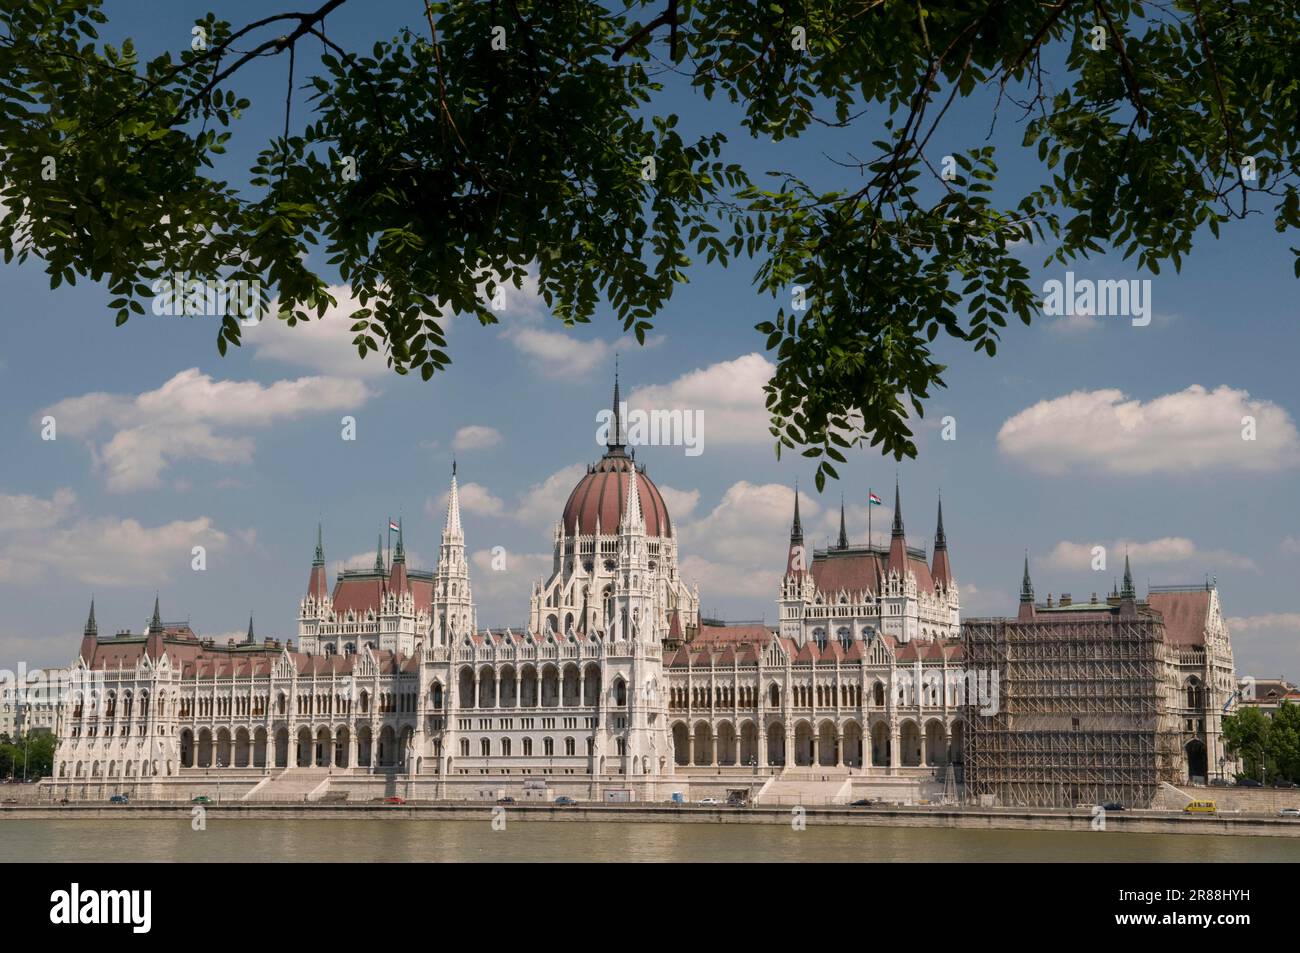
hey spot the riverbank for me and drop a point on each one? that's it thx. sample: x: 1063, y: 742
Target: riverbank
x: 968, y: 818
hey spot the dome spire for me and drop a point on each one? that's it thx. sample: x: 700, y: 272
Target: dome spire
x: 615, y: 439
x: 453, y: 504
x: 796, y: 528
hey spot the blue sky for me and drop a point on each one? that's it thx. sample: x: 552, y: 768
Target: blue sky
x: 163, y: 445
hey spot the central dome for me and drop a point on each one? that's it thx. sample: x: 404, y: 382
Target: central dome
x: 602, y: 494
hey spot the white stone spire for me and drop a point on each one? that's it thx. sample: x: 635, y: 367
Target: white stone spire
x: 453, y: 610
x: 453, y: 507
x: 632, y: 515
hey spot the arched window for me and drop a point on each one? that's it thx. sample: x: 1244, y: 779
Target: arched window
x: 464, y: 747
x: 485, y: 748
x: 845, y: 635
x: 569, y: 747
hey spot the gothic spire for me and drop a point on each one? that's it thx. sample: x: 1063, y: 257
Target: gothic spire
x: 796, y: 528
x: 1026, y: 586
x: 940, y: 541
x: 898, y: 511
x: 319, y: 558
x: 91, y: 628
x: 250, y: 638
x: 379, y: 554
x: 615, y: 440
x: 453, y: 506
x: 844, y: 536
x: 155, y: 623
x: 632, y: 511
x: 399, y: 554
x: 1128, y: 592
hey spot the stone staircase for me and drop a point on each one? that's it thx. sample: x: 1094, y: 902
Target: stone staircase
x: 292, y: 784
x: 806, y: 790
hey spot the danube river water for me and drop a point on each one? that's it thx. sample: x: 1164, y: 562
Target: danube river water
x: 399, y: 839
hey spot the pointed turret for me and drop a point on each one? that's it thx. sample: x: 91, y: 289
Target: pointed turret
x: 251, y: 638
x: 155, y: 621
x: 90, y: 637
x: 796, y: 528
x: 632, y: 516
x: 897, y: 541
x: 796, y: 561
x: 940, y: 570
x: 844, y: 536
x: 316, y: 587
x: 1128, y: 591
x: 379, y: 554
x: 615, y: 441
x: 1026, y: 594
x: 452, y: 524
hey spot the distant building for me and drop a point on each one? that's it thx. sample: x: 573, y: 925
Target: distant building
x: 33, y: 706
x: 1100, y: 701
x: 1265, y: 692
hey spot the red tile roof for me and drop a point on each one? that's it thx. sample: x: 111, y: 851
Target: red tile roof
x: 1185, y: 613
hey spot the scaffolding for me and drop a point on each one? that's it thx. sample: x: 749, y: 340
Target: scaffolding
x: 1081, y: 715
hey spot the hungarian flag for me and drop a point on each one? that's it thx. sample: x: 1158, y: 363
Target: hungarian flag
x: 392, y: 525
x: 875, y: 500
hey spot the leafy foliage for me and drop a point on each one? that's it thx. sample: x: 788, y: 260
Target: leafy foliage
x: 499, y: 141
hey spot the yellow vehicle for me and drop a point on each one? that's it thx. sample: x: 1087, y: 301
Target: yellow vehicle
x: 1201, y: 807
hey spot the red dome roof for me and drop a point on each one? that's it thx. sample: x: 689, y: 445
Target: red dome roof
x: 601, y: 495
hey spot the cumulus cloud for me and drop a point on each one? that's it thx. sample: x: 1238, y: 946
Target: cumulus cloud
x: 181, y: 419
x: 730, y: 395
x: 736, y: 551
x: 474, y: 498
x: 476, y: 437
x: 542, y: 503
x: 323, y: 344
x: 1168, y: 550
x: 502, y: 586
x: 560, y: 353
x: 1194, y: 429
x: 43, y: 539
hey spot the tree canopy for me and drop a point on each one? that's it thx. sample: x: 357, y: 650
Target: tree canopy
x: 489, y: 141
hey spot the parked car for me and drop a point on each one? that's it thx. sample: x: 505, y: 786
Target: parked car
x: 1220, y: 783
x: 1112, y: 806
x: 565, y: 801
x: 1284, y: 784
x: 708, y: 802
x: 1289, y: 812
x: 394, y: 799
x: 1201, y: 807
x: 505, y: 800
x: 201, y: 799
x: 119, y: 799
x: 863, y: 802
x: 1249, y: 783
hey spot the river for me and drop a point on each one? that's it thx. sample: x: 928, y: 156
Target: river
x: 400, y: 839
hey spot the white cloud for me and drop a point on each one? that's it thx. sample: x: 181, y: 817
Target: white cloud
x: 542, y: 503
x: 1291, y: 545
x: 502, y: 594
x: 729, y: 393
x: 1169, y: 550
x: 1073, y: 324
x: 560, y: 353
x: 1194, y: 429
x: 42, y: 540
x: 179, y: 421
x: 1271, y: 620
x: 323, y: 344
x: 737, y: 550
x: 474, y: 498
x: 681, y: 503
x: 476, y: 437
